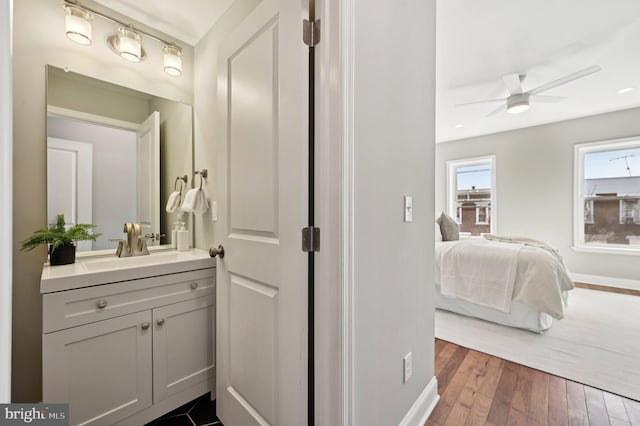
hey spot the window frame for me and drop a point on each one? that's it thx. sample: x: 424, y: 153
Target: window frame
x: 452, y: 186
x: 579, y: 150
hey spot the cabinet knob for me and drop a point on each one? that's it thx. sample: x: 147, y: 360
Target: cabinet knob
x: 194, y: 285
x: 102, y: 304
x: 160, y: 321
x: 145, y: 326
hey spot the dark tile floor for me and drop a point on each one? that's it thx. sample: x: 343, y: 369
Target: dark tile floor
x: 199, y: 412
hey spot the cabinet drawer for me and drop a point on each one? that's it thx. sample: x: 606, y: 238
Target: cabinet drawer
x: 76, y: 307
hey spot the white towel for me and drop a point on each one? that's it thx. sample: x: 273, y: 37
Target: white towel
x: 174, y: 202
x: 195, y: 201
x: 202, y: 205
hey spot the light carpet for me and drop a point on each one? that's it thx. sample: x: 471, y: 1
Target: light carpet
x: 597, y: 343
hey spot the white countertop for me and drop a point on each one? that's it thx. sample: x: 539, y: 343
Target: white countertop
x: 102, y: 270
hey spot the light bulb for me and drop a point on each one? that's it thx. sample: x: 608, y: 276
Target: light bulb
x: 172, y: 60
x: 129, y: 44
x: 78, y: 24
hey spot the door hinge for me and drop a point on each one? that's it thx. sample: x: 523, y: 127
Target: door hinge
x: 311, y: 32
x: 310, y: 239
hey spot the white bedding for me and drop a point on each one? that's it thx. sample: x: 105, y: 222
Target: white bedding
x: 480, y: 273
x: 541, y: 280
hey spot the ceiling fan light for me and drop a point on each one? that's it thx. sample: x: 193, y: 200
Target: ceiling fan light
x: 518, y: 108
x: 172, y: 59
x: 78, y: 24
x: 129, y: 44
x: 625, y: 90
x: 517, y: 104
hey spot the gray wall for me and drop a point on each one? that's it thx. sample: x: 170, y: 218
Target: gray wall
x: 113, y: 193
x: 39, y: 39
x: 68, y: 91
x: 394, y: 155
x: 176, y: 159
x: 534, y: 184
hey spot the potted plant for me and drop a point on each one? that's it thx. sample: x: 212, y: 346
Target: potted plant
x: 61, y: 241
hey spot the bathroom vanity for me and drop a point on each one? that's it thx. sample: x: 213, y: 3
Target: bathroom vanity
x: 127, y: 340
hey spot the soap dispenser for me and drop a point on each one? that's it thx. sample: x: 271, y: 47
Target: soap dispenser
x: 174, y: 234
x: 182, y: 238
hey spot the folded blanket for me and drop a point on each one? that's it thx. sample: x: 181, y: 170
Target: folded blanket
x: 481, y: 273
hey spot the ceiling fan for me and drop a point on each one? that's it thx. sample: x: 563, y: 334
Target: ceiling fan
x: 518, y: 101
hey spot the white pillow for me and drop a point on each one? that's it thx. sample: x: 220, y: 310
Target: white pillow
x: 438, y: 233
x: 448, y: 227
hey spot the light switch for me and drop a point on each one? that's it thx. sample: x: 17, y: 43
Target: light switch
x: 214, y: 211
x: 408, y: 208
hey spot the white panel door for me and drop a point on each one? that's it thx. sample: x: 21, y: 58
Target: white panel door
x: 261, y: 323
x: 70, y: 183
x: 148, y: 175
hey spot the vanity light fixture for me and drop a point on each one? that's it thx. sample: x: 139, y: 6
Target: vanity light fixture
x: 127, y: 43
x: 172, y: 59
x: 78, y: 24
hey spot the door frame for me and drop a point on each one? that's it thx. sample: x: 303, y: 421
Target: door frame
x: 6, y: 196
x: 334, y: 278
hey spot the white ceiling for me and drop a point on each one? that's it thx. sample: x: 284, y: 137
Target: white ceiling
x: 186, y: 20
x: 478, y: 42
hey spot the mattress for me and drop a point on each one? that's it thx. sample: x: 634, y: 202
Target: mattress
x: 521, y: 315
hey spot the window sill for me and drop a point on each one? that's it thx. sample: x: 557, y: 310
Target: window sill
x: 607, y: 250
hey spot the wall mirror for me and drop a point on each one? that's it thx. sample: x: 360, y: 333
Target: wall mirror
x: 115, y: 155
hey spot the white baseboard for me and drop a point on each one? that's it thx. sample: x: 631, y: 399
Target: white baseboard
x: 424, y: 405
x: 606, y: 281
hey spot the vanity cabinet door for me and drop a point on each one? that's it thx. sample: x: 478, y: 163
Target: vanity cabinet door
x: 182, y: 346
x: 103, y: 370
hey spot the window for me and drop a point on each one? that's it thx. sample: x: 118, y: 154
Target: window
x: 482, y: 215
x: 629, y: 212
x: 471, y: 194
x: 607, y: 195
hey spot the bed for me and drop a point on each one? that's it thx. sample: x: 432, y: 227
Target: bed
x: 518, y: 282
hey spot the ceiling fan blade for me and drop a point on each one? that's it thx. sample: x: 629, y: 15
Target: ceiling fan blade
x: 543, y: 98
x: 496, y: 111
x: 512, y: 81
x: 564, y: 80
x: 480, y: 102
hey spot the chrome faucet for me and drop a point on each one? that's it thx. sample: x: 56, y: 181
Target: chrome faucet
x: 135, y: 244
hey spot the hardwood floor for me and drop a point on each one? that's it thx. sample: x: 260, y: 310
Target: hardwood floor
x: 480, y: 389
x: 608, y: 289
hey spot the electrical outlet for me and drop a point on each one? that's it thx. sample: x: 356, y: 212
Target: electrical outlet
x: 407, y: 363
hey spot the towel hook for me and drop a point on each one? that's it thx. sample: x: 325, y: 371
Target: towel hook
x: 183, y: 178
x: 203, y: 175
